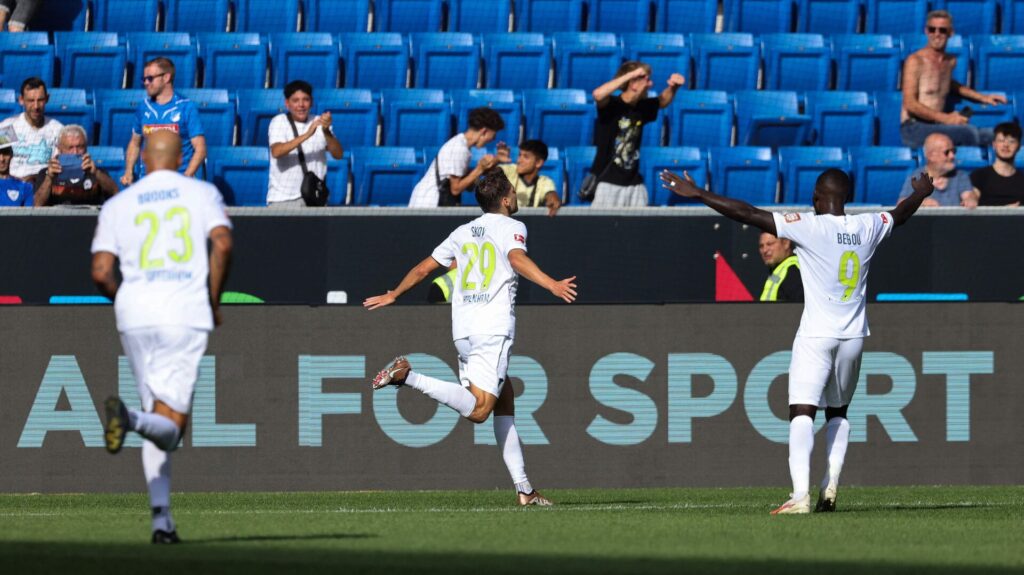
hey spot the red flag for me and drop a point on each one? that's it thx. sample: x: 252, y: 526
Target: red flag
x: 728, y: 286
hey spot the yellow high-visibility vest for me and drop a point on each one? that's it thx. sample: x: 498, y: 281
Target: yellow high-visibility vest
x: 447, y: 283
x: 771, y: 285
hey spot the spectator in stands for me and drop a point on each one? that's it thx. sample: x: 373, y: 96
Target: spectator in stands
x: 952, y: 186
x: 784, y: 283
x: 450, y: 169
x: 927, y: 83
x: 618, y: 132
x: 36, y: 134
x: 72, y: 177
x: 165, y: 110
x: 312, y: 136
x: 13, y: 192
x: 1001, y: 184
x: 16, y: 14
x: 533, y: 189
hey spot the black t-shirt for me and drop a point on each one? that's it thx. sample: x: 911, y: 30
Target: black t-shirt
x: 997, y: 190
x: 81, y: 191
x: 792, y: 288
x: 617, y: 134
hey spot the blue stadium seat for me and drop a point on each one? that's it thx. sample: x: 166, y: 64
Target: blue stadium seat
x: 585, y: 60
x: 502, y: 101
x: 1018, y: 106
x: 1012, y: 20
x: 90, y: 60
x: 25, y: 55
x: 985, y: 115
x: 479, y: 17
x: 828, y: 16
x: 256, y: 108
x: 8, y: 102
x: 619, y: 16
x: 665, y: 53
x: 549, y: 16
x: 701, y: 118
x: 124, y: 15
x: 445, y: 60
x: 407, y: 16
x: 689, y: 159
x: 758, y: 16
x: 894, y: 16
x: 337, y: 179
x: 266, y: 16
x: 554, y: 168
x: 969, y: 158
x: 744, y: 173
x: 970, y: 17
x: 686, y: 16
x: 912, y: 42
x: 336, y: 16
x: 416, y: 117
x: 796, y: 62
x: 770, y: 118
x: 516, y: 61
x: 726, y: 61
x: 558, y: 117
x: 176, y: 46
x: 232, y: 60
x: 841, y: 118
x: 196, y: 15
x: 888, y: 106
x: 61, y: 15
x: 241, y: 174
x: 801, y: 168
x: 384, y: 176
x: 354, y: 114
x: 998, y: 62
x: 865, y: 62
x: 216, y: 113
x: 309, y: 56
x: 578, y: 160
x: 879, y: 172
x: 375, y: 61
x: 116, y: 112
x: 71, y: 106
x: 110, y: 159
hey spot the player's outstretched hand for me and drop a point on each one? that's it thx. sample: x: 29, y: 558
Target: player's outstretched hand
x: 923, y: 184
x: 682, y: 186
x: 379, y: 301
x: 565, y: 290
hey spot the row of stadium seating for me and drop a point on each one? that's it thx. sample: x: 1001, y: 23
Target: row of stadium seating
x: 685, y: 16
x: 376, y: 61
x: 385, y: 176
x: 561, y: 118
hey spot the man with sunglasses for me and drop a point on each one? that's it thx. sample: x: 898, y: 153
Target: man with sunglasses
x: 928, y: 82
x: 952, y: 186
x: 163, y: 109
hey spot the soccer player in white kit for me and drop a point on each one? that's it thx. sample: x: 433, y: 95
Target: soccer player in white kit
x: 490, y: 251
x: 166, y: 304
x: 835, y: 252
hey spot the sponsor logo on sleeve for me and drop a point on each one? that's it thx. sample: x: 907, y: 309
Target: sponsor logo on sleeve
x: 519, y: 238
x: 790, y: 218
x: 885, y: 219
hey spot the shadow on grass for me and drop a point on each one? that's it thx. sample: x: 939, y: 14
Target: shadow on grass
x: 311, y: 537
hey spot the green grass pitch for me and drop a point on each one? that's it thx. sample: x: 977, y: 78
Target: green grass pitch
x: 933, y: 530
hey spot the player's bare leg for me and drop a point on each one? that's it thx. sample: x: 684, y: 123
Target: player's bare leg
x: 472, y: 403
x: 507, y: 437
x: 801, y: 443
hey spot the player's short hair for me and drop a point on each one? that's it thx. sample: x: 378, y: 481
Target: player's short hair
x: 298, y: 86
x: 1009, y: 129
x: 484, y: 117
x: 939, y: 14
x: 33, y: 83
x: 535, y: 147
x: 834, y: 182
x: 165, y: 65
x: 490, y: 188
x: 631, y: 65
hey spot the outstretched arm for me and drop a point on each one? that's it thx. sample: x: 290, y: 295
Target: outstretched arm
x: 923, y: 188
x: 415, y: 276
x: 734, y: 209
x: 564, y: 290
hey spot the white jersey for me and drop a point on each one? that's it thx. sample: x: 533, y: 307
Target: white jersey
x: 483, y: 302
x: 835, y: 253
x: 35, y: 146
x: 158, y: 229
x: 452, y: 160
x: 285, y: 182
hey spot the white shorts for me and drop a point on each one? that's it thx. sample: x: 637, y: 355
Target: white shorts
x: 483, y: 361
x: 823, y: 371
x: 165, y: 362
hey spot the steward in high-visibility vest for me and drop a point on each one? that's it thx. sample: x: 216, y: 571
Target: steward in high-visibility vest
x: 784, y: 284
x: 442, y: 287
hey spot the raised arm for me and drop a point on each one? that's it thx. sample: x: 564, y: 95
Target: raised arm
x: 923, y: 188
x: 564, y: 290
x: 415, y: 276
x: 734, y: 209
x: 602, y: 92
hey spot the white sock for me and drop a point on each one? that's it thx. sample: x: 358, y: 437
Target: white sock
x: 156, y: 466
x: 512, y: 451
x: 453, y: 395
x: 837, y: 439
x: 801, y: 442
x: 156, y: 428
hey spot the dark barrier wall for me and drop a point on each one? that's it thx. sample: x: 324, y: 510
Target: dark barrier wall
x: 677, y: 395
x: 619, y: 259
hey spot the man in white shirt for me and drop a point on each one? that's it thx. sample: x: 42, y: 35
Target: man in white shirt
x: 37, y: 135
x: 835, y: 251
x: 490, y: 251
x: 166, y: 304
x: 450, y: 168
x: 312, y: 136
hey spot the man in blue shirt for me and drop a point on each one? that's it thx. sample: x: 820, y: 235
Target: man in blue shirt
x: 952, y: 186
x: 13, y: 191
x: 165, y: 110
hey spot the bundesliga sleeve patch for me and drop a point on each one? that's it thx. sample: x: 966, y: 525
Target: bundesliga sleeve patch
x: 885, y: 219
x: 519, y: 238
x: 790, y: 218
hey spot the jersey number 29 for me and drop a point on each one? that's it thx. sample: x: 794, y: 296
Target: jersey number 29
x: 481, y: 257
